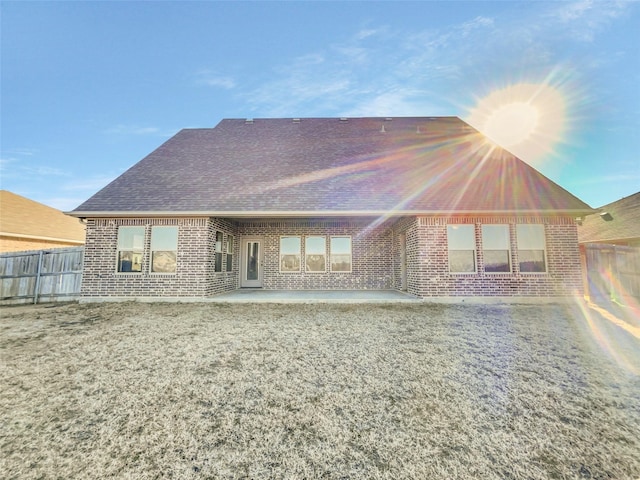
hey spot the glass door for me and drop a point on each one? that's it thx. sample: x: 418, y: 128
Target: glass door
x: 251, y: 263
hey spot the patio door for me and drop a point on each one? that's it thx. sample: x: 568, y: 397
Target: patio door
x: 251, y: 263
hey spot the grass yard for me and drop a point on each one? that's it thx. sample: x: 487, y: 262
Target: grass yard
x: 397, y: 391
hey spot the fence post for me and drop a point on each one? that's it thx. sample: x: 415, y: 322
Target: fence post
x: 37, y: 287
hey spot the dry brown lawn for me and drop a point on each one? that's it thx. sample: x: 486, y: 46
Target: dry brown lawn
x: 134, y: 390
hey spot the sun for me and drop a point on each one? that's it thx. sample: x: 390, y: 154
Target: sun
x: 527, y: 119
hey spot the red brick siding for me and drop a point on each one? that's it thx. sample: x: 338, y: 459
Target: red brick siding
x: 375, y: 259
x: 372, y: 253
x: 431, y: 275
x: 194, y: 263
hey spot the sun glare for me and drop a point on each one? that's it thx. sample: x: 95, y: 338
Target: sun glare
x: 527, y: 119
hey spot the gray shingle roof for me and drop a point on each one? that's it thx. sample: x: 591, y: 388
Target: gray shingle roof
x: 621, y: 225
x: 330, y: 166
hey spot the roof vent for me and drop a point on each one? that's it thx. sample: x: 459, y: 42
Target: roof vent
x: 418, y: 129
x: 296, y: 120
x: 388, y: 119
x: 382, y: 130
x: 343, y: 119
x: 248, y: 121
x: 606, y: 216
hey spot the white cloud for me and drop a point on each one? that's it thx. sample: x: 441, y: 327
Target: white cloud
x: 211, y: 78
x: 123, y: 129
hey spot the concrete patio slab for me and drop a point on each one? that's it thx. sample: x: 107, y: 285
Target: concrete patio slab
x: 248, y: 295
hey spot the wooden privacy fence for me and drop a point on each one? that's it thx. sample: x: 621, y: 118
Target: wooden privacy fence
x: 612, y: 272
x: 42, y: 275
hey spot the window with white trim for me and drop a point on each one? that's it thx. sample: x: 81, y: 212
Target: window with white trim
x: 230, y: 246
x: 341, y: 254
x: 496, y: 250
x: 130, y: 249
x: 290, y: 254
x: 532, y: 255
x: 164, y: 249
x: 315, y: 253
x: 461, y: 242
x: 218, y: 252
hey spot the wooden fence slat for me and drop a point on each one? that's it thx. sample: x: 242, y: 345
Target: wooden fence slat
x: 59, y: 276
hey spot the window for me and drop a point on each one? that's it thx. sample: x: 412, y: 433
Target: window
x: 315, y: 254
x: 130, y: 249
x: 461, y: 240
x: 218, y: 259
x: 340, y: 254
x: 164, y: 249
x: 495, y: 248
x: 531, y: 248
x: 289, y: 254
x: 229, y: 253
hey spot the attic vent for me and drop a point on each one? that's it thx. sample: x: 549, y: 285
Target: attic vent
x: 296, y: 120
x: 343, y: 119
x: 248, y: 121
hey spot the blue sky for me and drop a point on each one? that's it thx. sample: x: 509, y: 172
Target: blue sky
x: 90, y: 88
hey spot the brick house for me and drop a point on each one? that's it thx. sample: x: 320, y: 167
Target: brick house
x: 425, y: 205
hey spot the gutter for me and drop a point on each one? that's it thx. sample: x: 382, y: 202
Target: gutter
x: 319, y: 213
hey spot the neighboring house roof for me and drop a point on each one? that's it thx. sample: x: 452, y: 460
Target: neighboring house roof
x: 616, y: 222
x: 24, y: 218
x: 330, y: 166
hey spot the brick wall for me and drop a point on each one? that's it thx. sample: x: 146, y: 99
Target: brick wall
x: 428, y: 268
x: 372, y: 254
x: 193, y: 275
x: 376, y: 259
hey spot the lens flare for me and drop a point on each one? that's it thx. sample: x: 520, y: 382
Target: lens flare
x: 528, y: 119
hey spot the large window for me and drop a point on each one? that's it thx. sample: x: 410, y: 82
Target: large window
x: 130, y: 249
x: 164, y: 249
x: 461, y: 242
x: 531, y: 248
x: 218, y: 258
x: 495, y: 248
x: 289, y: 254
x: 315, y: 254
x: 230, y: 246
x: 340, y: 254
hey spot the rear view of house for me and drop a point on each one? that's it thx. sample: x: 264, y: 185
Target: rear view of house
x: 425, y: 205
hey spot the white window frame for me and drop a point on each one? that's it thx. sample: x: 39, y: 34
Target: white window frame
x: 485, y: 228
x: 217, y: 254
x: 473, y: 250
x: 153, y: 250
x: 136, y: 250
x: 307, y: 254
x: 524, y: 243
x: 298, y: 254
x: 332, y: 255
x: 230, y: 246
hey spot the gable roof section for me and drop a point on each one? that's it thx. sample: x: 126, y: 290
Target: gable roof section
x: 24, y: 218
x: 330, y: 166
x: 621, y: 225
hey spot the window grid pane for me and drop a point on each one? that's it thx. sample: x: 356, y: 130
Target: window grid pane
x: 496, y: 248
x: 341, y: 254
x: 218, y: 252
x: 290, y: 248
x: 461, y: 242
x: 315, y: 248
x: 130, y: 249
x: 164, y: 248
